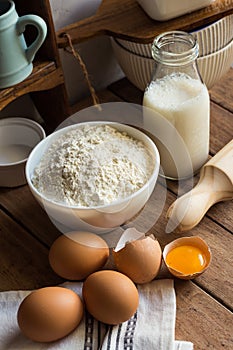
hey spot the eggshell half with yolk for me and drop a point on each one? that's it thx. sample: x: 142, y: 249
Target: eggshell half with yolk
x: 187, y: 257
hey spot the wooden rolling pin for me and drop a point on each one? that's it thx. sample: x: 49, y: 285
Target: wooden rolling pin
x: 215, y: 185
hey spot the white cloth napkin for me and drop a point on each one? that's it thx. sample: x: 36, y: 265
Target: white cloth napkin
x: 151, y: 328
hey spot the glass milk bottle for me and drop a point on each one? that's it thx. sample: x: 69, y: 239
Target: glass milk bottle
x: 176, y: 106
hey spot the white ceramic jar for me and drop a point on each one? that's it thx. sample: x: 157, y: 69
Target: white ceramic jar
x: 163, y: 10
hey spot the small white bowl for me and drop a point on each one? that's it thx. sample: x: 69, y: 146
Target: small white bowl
x: 138, y: 69
x: 210, y: 39
x: 96, y: 219
x: 163, y: 10
x: 18, y: 136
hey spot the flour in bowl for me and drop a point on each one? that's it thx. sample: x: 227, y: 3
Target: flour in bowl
x: 93, y: 165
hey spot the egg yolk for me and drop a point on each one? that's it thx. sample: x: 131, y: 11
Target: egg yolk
x: 186, y: 259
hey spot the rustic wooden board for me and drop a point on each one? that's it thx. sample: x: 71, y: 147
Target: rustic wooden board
x: 104, y: 96
x: 200, y: 318
x: 222, y: 93
x: 22, y: 206
x: 221, y: 128
x: 26, y: 234
x: 23, y: 260
x: 36, y: 221
x: 126, y: 19
x: 29, y: 213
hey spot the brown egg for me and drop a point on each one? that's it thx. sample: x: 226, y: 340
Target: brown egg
x: 49, y: 313
x: 139, y: 259
x: 110, y: 296
x: 76, y: 255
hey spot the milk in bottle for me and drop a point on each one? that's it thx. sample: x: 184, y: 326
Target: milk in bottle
x: 176, y: 106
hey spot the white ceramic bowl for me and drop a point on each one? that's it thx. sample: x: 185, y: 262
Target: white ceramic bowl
x: 210, y: 39
x: 94, y: 219
x: 163, y: 10
x: 138, y: 69
x: 18, y: 136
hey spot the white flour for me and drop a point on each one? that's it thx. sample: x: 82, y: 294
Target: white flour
x: 93, y: 165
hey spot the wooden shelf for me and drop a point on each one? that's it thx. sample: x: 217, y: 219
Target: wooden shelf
x: 45, y: 84
x: 45, y: 76
x: 125, y: 19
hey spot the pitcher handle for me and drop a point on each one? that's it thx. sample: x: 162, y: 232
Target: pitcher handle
x: 41, y: 27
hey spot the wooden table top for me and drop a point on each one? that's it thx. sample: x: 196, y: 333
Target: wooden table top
x: 204, y: 305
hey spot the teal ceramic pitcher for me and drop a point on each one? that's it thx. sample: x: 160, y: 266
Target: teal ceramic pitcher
x: 15, y: 57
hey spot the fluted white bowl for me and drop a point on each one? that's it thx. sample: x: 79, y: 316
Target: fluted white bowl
x: 210, y: 39
x: 138, y: 69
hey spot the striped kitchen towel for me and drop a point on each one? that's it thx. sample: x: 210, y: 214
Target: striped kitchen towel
x: 152, y: 327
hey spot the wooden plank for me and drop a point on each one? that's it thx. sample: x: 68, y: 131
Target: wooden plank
x: 104, y: 96
x: 45, y: 76
x: 53, y: 105
x: 26, y: 234
x: 201, y: 319
x: 23, y: 208
x: 23, y: 260
x: 222, y: 92
x: 126, y: 91
x: 28, y: 213
x: 223, y: 214
x: 221, y: 128
x: 126, y: 19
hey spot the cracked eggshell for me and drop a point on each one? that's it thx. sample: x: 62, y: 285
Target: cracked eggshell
x: 139, y: 258
x: 194, y: 241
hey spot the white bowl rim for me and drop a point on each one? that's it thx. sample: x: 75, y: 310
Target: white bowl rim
x: 22, y: 121
x: 151, y: 58
x: 199, y: 33
x: 100, y: 207
x: 211, y: 25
